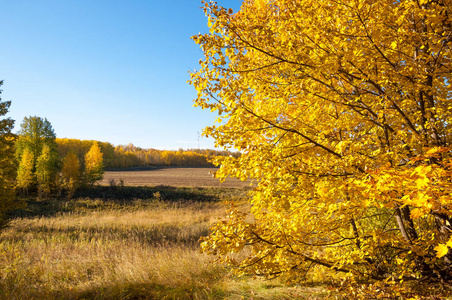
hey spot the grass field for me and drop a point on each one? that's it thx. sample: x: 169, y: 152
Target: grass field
x: 126, y: 242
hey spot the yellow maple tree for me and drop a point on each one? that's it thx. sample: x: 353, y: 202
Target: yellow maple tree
x: 342, y: 112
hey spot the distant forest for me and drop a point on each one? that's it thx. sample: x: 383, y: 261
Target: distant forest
x: 127, y: 156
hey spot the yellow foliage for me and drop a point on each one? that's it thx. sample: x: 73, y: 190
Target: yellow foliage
x: 94, y: 165
x: 441, y: 250
x: 25, y: 176
x: 125, y: 156
x: 342, y: 113
x: 70, y: 172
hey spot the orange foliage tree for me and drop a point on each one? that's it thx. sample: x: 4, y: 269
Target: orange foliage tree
x: 342, y: 112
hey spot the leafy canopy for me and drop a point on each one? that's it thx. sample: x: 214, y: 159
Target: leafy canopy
x: 342, y: 112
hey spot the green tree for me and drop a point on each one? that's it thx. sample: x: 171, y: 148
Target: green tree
x: 7, y: 163
x: 25, y: 175
x: 34, y: 133
x: 47, y: 170
x: 94, y: 167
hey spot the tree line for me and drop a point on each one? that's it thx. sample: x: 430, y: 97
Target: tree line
x: 47, y: 164
x: 126, y: 156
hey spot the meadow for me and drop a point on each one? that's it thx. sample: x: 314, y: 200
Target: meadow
x: 128, y: 239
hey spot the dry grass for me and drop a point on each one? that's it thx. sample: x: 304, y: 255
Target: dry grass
x: 186, y: 177
x: 142, y: 249
x: 106, y: 254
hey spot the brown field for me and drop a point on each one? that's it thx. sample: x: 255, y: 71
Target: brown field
x: 178, y: 177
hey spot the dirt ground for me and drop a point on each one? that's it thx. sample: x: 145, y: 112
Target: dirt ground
x: 180, y: 177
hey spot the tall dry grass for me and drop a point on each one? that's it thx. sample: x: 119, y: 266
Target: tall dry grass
x: 138, y: 250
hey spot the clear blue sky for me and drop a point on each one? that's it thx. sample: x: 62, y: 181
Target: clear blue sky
x: 111, y: 71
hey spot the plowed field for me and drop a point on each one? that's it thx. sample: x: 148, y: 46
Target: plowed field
x: 179, y: 177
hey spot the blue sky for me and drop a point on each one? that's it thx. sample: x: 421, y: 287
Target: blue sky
x: 111, y: 71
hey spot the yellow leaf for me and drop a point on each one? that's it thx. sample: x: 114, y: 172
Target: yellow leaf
x: 422, y: 182
x: 449, y: 243
x: 441, y: 250
x: 416, y: 213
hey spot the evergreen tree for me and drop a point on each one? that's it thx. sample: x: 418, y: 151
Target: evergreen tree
x: 7, y: 163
